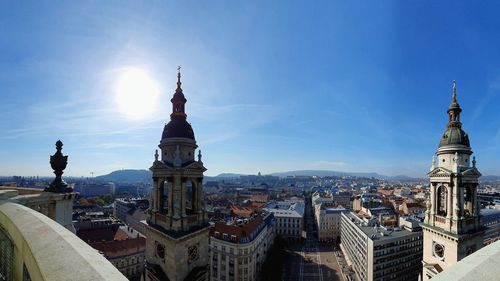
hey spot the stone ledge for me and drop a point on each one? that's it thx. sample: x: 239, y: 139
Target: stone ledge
x: 481, y: 265
x: 50, y: 251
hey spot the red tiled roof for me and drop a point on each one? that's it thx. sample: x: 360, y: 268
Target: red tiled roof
x: 238, y: 231
x: 242, y: 211
x: 102, y: 234
x: 257, y: 205
x: 260, y: 198
x: 120, y: 248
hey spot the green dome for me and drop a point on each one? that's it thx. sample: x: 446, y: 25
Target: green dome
x: 454, y: 136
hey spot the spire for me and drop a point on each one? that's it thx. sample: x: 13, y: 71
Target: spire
x: 179, y: 78
x: 454, y: 100
x: 454, y: 109
x: 178, y: 100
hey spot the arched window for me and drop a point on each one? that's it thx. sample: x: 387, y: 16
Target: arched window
x: 189, y: 197
x: 441, y: 200
x: 163, y: 193
x: 468, y: 201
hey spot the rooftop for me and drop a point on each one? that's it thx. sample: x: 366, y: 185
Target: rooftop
x: 286, y: 208
x: 374, y: 232
x: 241, y: 230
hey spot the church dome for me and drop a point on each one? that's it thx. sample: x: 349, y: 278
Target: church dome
x: 454, y: 136
x: 178, y: 128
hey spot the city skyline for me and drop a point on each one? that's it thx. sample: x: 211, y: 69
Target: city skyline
x: 331, y: 87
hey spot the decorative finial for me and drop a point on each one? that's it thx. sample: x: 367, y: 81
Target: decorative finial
x: 179, y: 76
x: 433, y: 163
x: 156, y: 155
x: 199, y: 155
x: 58, y: 162
x: 454, y: 90
x: 474, y: 161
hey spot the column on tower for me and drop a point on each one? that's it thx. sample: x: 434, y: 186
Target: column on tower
x: 170, y: 186
x: 433, y: 200
x: 456, y: 199
x: 155, y: 195
x: 175, y: 198
x: 183, y: 196
x: 449, y: 206
x: 199, y: 191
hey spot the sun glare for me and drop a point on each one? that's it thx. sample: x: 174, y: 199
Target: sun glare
x: 136, y: 93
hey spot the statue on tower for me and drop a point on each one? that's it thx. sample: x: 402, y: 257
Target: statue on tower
x: 58, y: 163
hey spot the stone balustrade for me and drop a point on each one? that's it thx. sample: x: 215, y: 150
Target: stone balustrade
x: 42, y: 249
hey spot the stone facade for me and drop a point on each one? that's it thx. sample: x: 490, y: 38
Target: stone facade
x: 238, y: 250
x: 177, y: 224
x: 289, y: 218
x: 377, y: 252
x: 452, y: 228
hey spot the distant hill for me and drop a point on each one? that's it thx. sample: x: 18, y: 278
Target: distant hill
x: 228, y: 175
x: 490, y: 178
x: 132, y: 176
x: 325, y: 173
x: 127, y: 176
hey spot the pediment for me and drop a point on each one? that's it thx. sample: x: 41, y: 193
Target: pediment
x: 439, y: 172
x: 471, y: 172
x: 157, y: 165
x: 195, y: 166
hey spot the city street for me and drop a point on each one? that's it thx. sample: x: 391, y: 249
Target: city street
x: 311, y: 260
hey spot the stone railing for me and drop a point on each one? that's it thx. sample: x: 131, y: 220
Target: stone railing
x: 440, y: 219
x: 42, y: 249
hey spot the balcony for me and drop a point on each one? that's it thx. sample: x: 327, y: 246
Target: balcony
x: 41, y: 249
x: 440, y: 219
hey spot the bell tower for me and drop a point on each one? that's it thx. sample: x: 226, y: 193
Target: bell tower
x: 177, y: 225
x: 452, y: 228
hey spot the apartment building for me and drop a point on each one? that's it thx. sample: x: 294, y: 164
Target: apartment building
x: 237, y: 249
x: 327, y: 217
x: 382, y: 253
x: 289, y: 216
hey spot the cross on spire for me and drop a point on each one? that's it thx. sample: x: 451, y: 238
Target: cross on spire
x: 179, y: 76
x: 454, y: 90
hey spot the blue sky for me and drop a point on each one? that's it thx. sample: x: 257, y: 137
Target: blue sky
x: 270, y: 86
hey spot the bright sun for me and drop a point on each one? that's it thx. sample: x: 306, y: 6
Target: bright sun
x: 136, y: 93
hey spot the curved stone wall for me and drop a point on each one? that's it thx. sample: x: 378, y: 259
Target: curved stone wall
x: 48, y: 250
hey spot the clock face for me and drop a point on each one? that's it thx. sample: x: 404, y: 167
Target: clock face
x: 438, y: 250
x: 160, y: 251
x: 192, y: 253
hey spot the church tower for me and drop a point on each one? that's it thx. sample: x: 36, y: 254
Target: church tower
x: 451, y: 228
x: 177, y: 225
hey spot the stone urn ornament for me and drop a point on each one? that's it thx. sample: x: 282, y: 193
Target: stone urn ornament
x: 58, y: 163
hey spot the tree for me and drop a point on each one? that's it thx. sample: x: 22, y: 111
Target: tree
x: 97, y: 200
x: 83, y: 202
